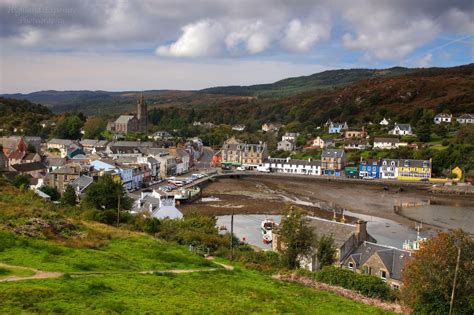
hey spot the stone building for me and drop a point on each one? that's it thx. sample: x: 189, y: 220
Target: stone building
x: 132, y: 123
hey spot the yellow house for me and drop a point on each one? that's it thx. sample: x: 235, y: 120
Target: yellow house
x: 414, y: 169
x: 458, y: 172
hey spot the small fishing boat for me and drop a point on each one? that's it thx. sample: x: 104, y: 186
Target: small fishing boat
x: 267, y: 227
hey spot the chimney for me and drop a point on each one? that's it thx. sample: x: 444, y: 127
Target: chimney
x: 361, y: 231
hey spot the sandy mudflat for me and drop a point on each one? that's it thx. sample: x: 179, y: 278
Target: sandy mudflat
x: 269, y: 195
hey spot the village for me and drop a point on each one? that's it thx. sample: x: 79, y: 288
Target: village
x: 159, y: 177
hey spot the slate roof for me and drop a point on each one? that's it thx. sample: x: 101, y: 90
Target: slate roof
x: 29, y: 167
x: 124, y: 119
x: 55, y: 161
x: 82, y: 182
x: 414, y: 163
x: 404, y: 127
x: 170, y: 212
x: 466, y: 116
x: 60, y: 141
x: 340, y: 232
x: 332, y: 153
x: 393, y: 258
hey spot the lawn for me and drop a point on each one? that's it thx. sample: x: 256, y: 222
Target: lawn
x: 238, y: 291
x: 135, y: 252
x: 6, y: 272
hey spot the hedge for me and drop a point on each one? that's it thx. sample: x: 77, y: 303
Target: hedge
x: 367, y: 285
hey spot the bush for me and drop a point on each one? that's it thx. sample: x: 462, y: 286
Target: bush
x: 365, y: 284
x: 265, y: 261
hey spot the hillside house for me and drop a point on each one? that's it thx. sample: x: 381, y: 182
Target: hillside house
x: 333, y: 161
x: 402, y: 130
x: 354, y: 144
x: 355, y: 133
x: 382, y: 261
x: 386, y: 143
x: 466, y: 119
x: 267, y: 127
x: 321, y: 143
x: 292, y: 166
x: 384, y: 122
x: 286, y: 145
x: 443, y: 118
x: 337, y: 127
x: 238, y: 127
x: 290, y: 136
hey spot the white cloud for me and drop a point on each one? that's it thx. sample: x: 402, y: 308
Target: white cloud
x: 301, y: 37
x: 385, y: 34
x: 203, y: 38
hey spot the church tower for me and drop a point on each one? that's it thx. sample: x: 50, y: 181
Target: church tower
x: 142, y: 115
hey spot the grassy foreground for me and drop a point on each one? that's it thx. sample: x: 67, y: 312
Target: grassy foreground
x: 238, y: 291
x: 102, y: 268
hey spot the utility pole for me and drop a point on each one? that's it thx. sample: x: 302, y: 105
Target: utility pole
x: 232, y: 236
x: 451, y: 304
x: 118, y: 208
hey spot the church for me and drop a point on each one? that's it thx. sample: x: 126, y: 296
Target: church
x: 132, y: 123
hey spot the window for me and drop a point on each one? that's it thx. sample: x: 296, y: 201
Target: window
x: 350, y: 265
x: 396, y: 287
x: 383, y: 275
x: 366, y: 270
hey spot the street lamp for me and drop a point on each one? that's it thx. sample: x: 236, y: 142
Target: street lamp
x: 451, y: 304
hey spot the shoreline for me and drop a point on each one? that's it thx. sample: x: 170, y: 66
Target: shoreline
x: 269, y: 194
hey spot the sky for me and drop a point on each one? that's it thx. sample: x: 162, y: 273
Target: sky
x: 119, y: 45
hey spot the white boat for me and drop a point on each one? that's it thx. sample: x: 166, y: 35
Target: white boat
x: 267, y: 227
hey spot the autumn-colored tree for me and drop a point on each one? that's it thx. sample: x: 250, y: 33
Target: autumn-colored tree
x: 428, y: 278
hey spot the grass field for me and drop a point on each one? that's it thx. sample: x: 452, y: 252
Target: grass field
x: 238, y: 291
x: 133, y: 252
x: 6, y: 272
x: 102, y: 265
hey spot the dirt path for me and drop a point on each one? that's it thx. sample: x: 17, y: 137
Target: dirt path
x: 47, y: 274
x: 38, y: 274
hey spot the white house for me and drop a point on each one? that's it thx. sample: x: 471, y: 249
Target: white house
x: 350, y: 144
x: 384, y: 122
x: 388, y: 169
x: 443, y: 118
x: 290, y: 136
x: 386, y: 143
x: 159, y: 204
x: 466, y: 119
x: 238, y: 127
x: 402, y: 130
x: 290, y: 166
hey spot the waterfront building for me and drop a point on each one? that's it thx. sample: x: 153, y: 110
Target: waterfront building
x: 333, y: 161
x: 388, y: 169
x: 369, y: 168
x: 292, y: 166
x: 414, y: 169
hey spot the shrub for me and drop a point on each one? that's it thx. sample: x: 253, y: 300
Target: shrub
x: 365, y: 284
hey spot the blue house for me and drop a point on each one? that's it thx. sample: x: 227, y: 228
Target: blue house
x: 337, y: 127
x: 369, y: 168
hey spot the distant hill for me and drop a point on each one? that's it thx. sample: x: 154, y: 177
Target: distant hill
x: 299, y: 90
x: 318, y: 81
x: 400, y: 97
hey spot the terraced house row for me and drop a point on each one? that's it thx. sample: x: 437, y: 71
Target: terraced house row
x: 403, y: 169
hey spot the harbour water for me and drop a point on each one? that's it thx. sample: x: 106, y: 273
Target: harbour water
x: 386, y: 232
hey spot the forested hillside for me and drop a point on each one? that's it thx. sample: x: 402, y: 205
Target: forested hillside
x: 319, y: 81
